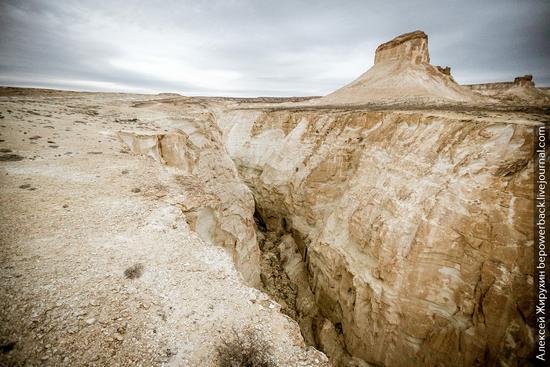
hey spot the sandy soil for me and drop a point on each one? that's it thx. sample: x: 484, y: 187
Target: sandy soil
x: 77, y: 210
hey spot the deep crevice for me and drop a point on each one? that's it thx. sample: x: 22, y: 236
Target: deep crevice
x: 285, y: 277
x: 275, y: 280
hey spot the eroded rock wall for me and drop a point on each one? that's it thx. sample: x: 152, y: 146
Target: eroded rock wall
x: 409, y: 47
x: 521, y: 91
x: 415, y: 228
x: 219, y: 207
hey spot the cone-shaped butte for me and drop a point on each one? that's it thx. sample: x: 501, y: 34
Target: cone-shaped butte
x: 402, y: 73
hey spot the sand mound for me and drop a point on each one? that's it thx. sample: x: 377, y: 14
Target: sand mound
x: 402, y: 71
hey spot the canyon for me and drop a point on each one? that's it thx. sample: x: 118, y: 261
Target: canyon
x: 389, y: 223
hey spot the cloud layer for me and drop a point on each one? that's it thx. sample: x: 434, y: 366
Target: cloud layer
x: 252, y: 48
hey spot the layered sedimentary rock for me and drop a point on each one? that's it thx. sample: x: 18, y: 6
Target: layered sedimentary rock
x: 409, y: 47
x: 405, y: 236
x: 393, y: 237
x: 402, y: 72
x: 524, y: 81
x: 445, y: 70
x: 521, y: 91
x: 218, y: 206
x: 414, y: 227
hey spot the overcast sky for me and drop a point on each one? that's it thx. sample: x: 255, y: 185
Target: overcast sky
x: 252, y: 48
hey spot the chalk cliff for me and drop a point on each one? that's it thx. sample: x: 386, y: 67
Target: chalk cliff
x: 409, y: 47
x: 415, y: 229
x: 393, y: 237
x: 221, y: 207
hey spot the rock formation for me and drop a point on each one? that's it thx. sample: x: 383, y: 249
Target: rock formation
x: 409, y: 47
x: 414, y: 229
x: 221, y: 208
x: 401, y: 72
x: 393, y: 238
x: 521, y: 91
x: 445, y: 70
x: 524, y: 81
x: 406, y: 236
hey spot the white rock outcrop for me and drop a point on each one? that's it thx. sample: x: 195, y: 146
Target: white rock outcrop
x: 415, y: 228
x: 221, y: 207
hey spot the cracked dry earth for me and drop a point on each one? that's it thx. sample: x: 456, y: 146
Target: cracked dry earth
x: 98, y: 265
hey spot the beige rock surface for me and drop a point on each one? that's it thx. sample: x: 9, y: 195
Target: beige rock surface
x: 415, y: 227
x: 521, y: 91
x: 391, y: 219
x: 78, y: 210
x: 401, y: 71
x: 221, y: 207
x: 409, y: 47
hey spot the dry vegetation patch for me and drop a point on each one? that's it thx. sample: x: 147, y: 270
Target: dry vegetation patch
x: 244, y: 349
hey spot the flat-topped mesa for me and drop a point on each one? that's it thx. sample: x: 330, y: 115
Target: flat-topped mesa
x: 402, y: 72
x: 409, y: 47
x: 524, y: 81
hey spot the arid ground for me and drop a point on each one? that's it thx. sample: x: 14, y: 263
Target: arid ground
x: 386, y: 224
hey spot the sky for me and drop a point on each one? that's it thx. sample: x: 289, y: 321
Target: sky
x: 259, y: 48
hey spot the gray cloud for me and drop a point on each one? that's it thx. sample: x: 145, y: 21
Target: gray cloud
x: 247, y: 48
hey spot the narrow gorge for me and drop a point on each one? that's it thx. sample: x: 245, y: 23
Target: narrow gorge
x: 406, y: 233
x: 397, y: 234
x: 389, y: 223
x: 394, y: 238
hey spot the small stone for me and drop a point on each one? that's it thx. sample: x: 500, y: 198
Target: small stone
x: 90, y: 321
